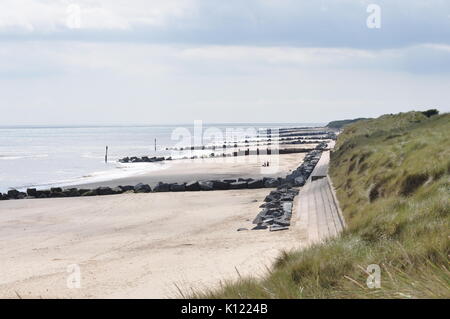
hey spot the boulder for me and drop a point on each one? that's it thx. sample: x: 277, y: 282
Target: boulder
x: 256, y: 184
x: 13, y: 193
x: 289, y: 177
x: 229, y: 181
x: 277, y: 228
x: 219, y: 185
x: 124, y: 160
x: 272, y: 198
x: 273, y: 204
x: 287, y: 207
x: 286, y: 184
x: 245, y: 179
x: 206, y: 186
x: 83, y: 191
x: 177, y: 187
x: 126, y: 188
x: 238, y: 185
x: 56, y: 190
x: 142, y: 188
x: 105, y: 191
x: 92, y: 192
x: 271, y: 183
x: 3, y: 196
x: 57, y: 194
x: 162, y: 187
x: 193, y: 186
x: 117, y: 190
x: 21, y: 195
x: 287, y: 197
x: 281, y: 222
x: 268, y: 221
x: 71, y: 192
x: 261, y: 216
x: 31, y: 192
x: 43, y: 193
x: 259, y: 227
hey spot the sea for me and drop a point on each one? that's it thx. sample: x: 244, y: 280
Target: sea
x: 49, y: 156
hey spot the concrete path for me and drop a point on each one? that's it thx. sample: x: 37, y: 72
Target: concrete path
x: 318, y: 213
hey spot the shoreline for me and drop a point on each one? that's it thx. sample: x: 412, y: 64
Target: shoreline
x: 185, y: 171
x: 82, y: 162
x: 108, y: 177
x: 188, y: 170
x: 155, y: 243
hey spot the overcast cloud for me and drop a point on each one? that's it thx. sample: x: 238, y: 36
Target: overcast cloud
x: 174, y: 61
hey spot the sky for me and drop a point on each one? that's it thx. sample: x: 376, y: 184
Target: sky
x: 89, y: 62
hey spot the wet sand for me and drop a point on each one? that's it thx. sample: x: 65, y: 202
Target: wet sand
x: 183, y: 171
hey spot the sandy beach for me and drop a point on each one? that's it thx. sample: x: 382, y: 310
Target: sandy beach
x: 152, y: 245
x: 134, y: 245
x: 183, y: 171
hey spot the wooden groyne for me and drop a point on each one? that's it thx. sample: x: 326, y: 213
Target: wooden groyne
x: 245, y: 152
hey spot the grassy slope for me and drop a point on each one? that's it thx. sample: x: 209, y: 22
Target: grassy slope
x: 392, y: 180
x: 340, y: 124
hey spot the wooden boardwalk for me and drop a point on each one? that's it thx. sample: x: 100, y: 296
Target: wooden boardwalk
x: 318, y: 213
x: 321, y: 169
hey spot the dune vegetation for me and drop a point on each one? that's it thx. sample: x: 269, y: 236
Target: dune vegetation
x: 391, y: 176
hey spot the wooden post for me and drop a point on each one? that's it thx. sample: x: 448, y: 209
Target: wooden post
x: 155, y: 144
x: 106, y: 154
